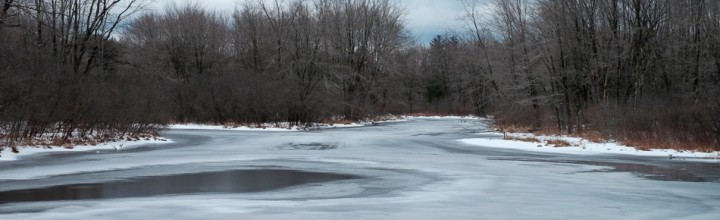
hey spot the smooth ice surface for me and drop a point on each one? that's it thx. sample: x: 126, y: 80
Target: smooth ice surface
x: 409, y: 170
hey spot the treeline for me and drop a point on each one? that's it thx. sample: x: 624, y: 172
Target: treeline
x: 646, y: 72
x: 631, y: 70
x: 62, y: 72
x: 76, y: 67
x: 298, y: 61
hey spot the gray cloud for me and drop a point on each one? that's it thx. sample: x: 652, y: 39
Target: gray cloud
x: 424, y: 18
x: 427, y: 18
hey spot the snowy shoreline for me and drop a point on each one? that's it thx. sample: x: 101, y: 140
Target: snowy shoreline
x: 7, y: 155
x: 579, y: 146
x: 583, y: 147
x: 266, y: 127
x: 284, y: 126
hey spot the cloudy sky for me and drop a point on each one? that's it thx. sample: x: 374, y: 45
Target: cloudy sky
x: 424, y: 18
x: 427, y: 18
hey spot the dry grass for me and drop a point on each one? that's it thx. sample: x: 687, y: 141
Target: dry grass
x: 593, y: 136
x: 332, y: 121
x: 383, y: 117
x: 249, y: 125
x: 425, y: 114
x: 527, y: 139
x: 69, y: 143
x: 559, y: 143
x: 643, y: 141
x: 515, y: 128
x: 667, y: 139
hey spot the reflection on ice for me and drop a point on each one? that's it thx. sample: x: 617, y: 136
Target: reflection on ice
x: 232, y: 181
x: 308, y: 146
x: 673, y: 173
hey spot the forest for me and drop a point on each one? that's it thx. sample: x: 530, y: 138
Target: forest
x: 643, y: 72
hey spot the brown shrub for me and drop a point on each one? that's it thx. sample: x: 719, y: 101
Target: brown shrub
x: 559, y: 143
x: 652, y: 124
x: 58, y: 142
x: 426, y: 114
x: 528, y: 139
x: 515, y: 128
x: 332, y: 121
x: 593, y: 136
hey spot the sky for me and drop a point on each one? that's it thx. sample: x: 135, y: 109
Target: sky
x: 428, y: 18
x: 424, y: 18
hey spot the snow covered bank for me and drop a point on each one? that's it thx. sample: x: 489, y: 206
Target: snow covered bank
x: 285, y: 126
x: 444, y: 117
x: 7, y: 154
x: 233, y: 128
x: 264, y: 127
x: 581, y: 147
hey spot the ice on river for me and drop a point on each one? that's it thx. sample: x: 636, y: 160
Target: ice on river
x: 410, y: 170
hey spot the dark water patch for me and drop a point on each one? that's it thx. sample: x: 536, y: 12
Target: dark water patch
x: 62, y: 158
x: 309, y: 146
x: 435, y: 134
x: 652, y: 172
x: 694, y: 173
x: 233, y: 181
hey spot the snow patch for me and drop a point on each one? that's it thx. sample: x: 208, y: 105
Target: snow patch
x: 285, y: 126
x: 226, y: 128
x: 582, y: 147
x: 468, y: 117
x: 7, y: 155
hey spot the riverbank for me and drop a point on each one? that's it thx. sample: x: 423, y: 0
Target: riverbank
x: 580, y: 146
x: 7, y: 154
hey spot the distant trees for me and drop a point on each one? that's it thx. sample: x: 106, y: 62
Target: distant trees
x: 633, y: 57
x: 631, y: 69
x: 361, y: 34
x: 297, y: 61
x: 60, y: 68
x: 188, y: 46
x: 605, y: 65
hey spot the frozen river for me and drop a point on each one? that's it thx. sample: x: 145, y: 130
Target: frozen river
x: 402, y: 170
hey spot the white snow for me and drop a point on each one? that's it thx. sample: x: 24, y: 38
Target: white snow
x: 284, y: 126
x: 23, y: 151
x: 580, y: 147
x: 239, y: 128
x: 265, y: 127
x: 466, y: 117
